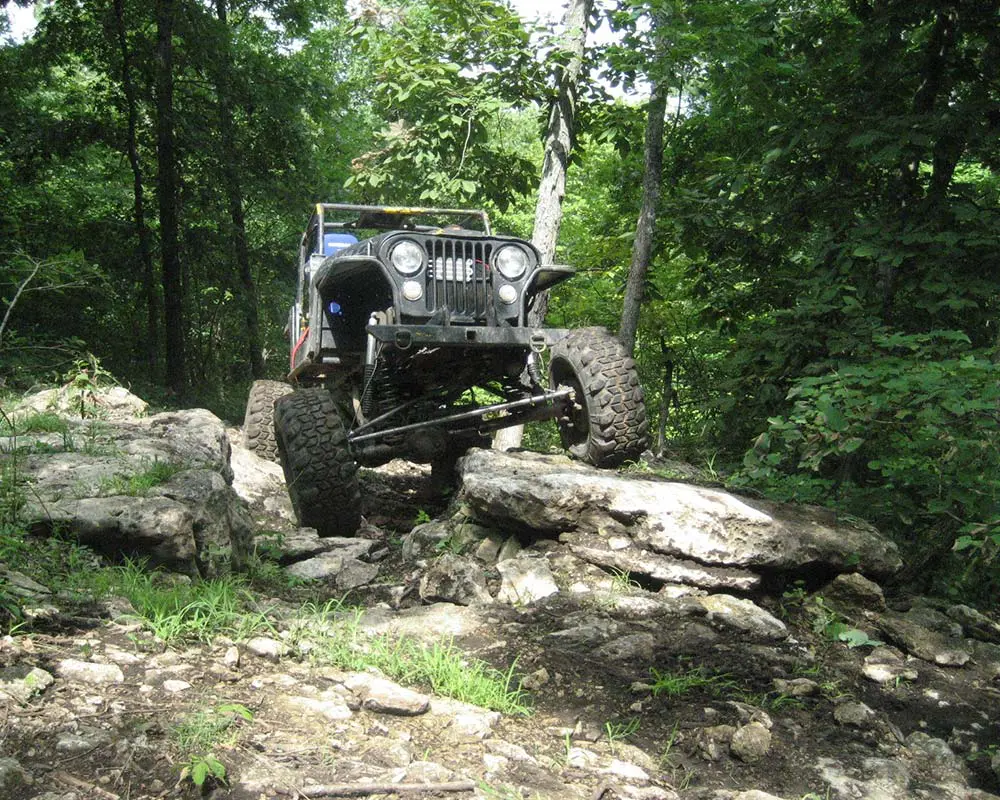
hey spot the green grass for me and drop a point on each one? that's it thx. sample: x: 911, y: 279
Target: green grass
x: 199, y: 735
x: 336, y: 640
x: 200, y: 610
x: 176, y: 610
x: 619, y: 731
x: 678, y: 684
x: 36, y: 422
x: 140, y: 483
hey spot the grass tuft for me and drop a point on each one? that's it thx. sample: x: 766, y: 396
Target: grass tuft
x: 139, y: 484
x: 334, y: 638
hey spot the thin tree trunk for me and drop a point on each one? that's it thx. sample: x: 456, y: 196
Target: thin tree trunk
x: 173, y: 300
x: 152, y: 332
x: 666, y: 397
x: 234, y: 197
x: 559, y: 137
x: 645, y: 228
x: 934, y: 75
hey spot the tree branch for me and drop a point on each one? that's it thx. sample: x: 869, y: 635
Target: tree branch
x: 364, y: 789
x: 37, y: 265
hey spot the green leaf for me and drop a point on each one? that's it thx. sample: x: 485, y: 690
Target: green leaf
x: 199, y: 772
x: 834, y: 418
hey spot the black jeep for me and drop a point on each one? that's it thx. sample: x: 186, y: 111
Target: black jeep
x: 409, y: 338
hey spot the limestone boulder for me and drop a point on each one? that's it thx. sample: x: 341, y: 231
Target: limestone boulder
x: 553, y: 495
x: 103, y: 484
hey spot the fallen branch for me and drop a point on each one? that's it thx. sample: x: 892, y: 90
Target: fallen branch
x: 77, y: 783
x: 363, y: 789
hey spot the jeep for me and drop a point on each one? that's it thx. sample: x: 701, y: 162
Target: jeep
x: 409, y: 338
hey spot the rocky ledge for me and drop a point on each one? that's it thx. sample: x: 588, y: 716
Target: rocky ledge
x: 672, y: 641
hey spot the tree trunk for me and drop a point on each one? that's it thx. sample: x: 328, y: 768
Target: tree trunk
x: 234, y: 197
x: 645, y: 228
x: 152, y: 332
x: 559, y: 137
x: 666, y: 397
x: 166, y: 192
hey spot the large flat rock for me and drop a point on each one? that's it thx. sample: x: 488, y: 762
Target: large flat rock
x: 553, y: 495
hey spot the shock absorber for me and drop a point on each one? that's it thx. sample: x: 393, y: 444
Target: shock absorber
x: 368, y: 398
x: 535, y: 369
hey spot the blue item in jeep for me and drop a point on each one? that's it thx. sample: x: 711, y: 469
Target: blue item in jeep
x: 332, y: 242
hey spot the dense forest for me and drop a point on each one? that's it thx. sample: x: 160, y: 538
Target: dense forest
x: 791, y: 210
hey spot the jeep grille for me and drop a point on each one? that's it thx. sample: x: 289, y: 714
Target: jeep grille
x: 458, y: 276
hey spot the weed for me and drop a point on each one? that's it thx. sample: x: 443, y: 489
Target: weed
x: 84, y: 379
x: 831, y: 691
x: 95, y: 430
x: 669, y: 762
x: 832, y: 625
x: 807, y: 670
x: 501, y: 792
x: 710, y: 460
x: 269, y: 544
x: 989, y: 752
x: 200, y: 610
x: 667, y: 758
x: 622, y: 581
x: 775, y: 701
x: 140, y: 483
x: 679, y: 684
x: 268, y: 574
x: 199, y: 735
x: 11, y: 613
x: 200, y: 768
x: 794, y: 597
x: 422, y: 517
x: 12, y: 496
x: 450, y: 544
x: 36, y: 422
x: 619, y: 731
x: 335, y: 639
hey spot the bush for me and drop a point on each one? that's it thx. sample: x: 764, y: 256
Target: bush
x: 909, y: 439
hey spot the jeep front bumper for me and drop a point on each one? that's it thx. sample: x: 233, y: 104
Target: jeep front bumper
x: 406, y: 336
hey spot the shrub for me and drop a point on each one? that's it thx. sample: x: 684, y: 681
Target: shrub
x: 908, y: 439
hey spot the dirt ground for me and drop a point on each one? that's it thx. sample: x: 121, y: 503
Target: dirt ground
x: 122, y: 747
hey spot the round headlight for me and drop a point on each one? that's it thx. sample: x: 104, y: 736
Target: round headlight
x: 407, y: 257
x: 511, y: 261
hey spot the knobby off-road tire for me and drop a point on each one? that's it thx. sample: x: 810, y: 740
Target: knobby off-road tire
x: 258, y: 424
x: 608, y: 424
x: 320, y: 472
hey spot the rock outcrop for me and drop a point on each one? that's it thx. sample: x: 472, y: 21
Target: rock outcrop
x: 659, y: 631
x: 672, y: 532
x: 155, y: 488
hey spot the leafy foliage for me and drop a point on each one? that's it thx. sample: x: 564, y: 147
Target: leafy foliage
x: 908, y: 437
x: 819, y: 315
x: 445, y: 74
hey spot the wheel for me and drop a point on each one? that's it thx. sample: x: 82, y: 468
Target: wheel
x: 320, y: 472
x: 606, y: 425
x: 258, y: 424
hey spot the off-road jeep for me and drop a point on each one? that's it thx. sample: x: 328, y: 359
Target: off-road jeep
x: 409, y: 338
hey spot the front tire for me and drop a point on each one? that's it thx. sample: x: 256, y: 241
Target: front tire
x: 320, y: 472
x: 258, y: 424
x: 606, y: 425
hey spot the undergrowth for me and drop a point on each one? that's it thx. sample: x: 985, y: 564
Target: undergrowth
x: 176, y: 609
x: 332, y: 636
